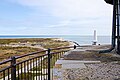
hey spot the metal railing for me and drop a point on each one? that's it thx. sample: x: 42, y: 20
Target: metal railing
x: 37, y: 65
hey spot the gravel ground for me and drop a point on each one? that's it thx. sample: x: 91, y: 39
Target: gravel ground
x: 108, y: 69
x: 102, y: 71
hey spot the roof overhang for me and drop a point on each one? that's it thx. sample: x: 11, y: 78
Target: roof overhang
x: 109, y: 1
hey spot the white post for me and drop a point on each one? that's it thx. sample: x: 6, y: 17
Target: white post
x: 95, y: 38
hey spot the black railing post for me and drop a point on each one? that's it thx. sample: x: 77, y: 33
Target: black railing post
x: 49, y: 56
x: 13, y: 68
x: 74, y: 46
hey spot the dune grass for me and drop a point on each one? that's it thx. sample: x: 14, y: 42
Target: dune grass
x: 8, y: 51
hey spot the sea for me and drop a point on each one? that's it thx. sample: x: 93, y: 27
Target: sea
x: 81, y: 40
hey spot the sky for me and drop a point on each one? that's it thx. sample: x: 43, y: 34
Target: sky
x: 55, y: 17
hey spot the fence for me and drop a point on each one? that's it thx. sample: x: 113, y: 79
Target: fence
x: 36, y: 66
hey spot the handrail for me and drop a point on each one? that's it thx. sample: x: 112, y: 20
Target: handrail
x: 30, y: 54
x: 61, y: 48
x: 17, y: 57
x: 15, y: 69
x: 43, y: 51
x: 5, y: 61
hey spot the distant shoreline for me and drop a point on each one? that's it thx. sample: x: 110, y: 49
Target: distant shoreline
x: 72, y: 43
x: 80, y: 39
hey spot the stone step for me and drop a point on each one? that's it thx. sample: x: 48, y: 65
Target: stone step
x: 71, y: 66
x: 75, y: 62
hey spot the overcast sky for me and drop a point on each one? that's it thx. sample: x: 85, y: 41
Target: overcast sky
x: 55, y: 17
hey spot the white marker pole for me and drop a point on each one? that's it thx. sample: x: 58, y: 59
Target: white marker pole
x: 95, y: 38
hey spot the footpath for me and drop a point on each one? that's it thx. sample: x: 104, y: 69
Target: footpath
x: 85, y: 63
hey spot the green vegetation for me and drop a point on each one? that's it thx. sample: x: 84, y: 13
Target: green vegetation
x: 27, y: 76
x: 24, y: 40
x: 7, y: 49
x: 44, y: 64
x: 55, y: 44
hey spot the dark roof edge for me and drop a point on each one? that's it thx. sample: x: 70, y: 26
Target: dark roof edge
x: 109, y: 1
